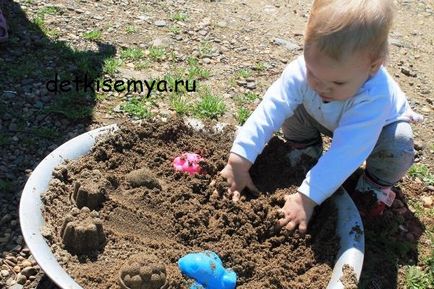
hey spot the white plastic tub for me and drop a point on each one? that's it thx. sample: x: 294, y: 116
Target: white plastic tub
x: 349, y: 227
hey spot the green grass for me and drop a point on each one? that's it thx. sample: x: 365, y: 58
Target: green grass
x: 51, y: 10
x: 175, y: 29
x: 111, y: 65
x: 132, y: 54
x: 179, y: 16
x: 157, y: 53
x: 5, y: 185
x: 242, y: 115
x: 205, y: 48
x: 143, y: 64
x: 180, y: 104
x: 209, y: 106
x: 130, y: 29
x: 137, y: 108
x: 420, y: 278
x: 243, y: 73
x: 260, y: 66
x: 196, y: 72
x: 93, y: 35
x: 46, y: 133
x: 4, y: 140
x: 422, y: 172
x: 248, y: 97
x: 72, y: 105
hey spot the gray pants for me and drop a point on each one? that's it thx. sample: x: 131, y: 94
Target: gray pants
x: 390, y: 160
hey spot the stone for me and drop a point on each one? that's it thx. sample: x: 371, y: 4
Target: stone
x: 161, y: 42
x: 160, y: 23
x: 29, y: 271
x: 251, y: 85
x: 21, y: 279
x: 418, y: 145
x: 288, y: 44
x: 4, y: 273
x: 427, y: 201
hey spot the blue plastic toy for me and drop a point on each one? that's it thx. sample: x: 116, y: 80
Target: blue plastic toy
x: 207, y: 270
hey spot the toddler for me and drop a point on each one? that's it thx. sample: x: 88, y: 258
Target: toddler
x: 339, y: 88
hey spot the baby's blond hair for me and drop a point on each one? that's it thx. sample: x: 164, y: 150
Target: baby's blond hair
x: 342, y: 27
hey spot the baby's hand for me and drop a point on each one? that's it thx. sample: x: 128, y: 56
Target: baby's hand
x: 236, y: 172
x: 297, y: 212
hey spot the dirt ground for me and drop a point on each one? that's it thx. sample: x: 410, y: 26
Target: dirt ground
x: 238, y: 49
x: 147, y: 208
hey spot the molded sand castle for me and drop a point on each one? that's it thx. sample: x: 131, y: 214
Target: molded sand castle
x: 146, y: 215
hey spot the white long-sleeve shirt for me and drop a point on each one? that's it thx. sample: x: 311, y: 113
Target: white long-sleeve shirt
x: 356, y: 124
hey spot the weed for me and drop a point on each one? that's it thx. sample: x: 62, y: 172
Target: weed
x: 243, y: 73
x: 246, y: 98
x: 179, y: 16
x: 242, y: 115
x: 46, y: 132
x: 422, y: 172
x: 175, y: 29
x: 130, y: 29
x: 132, y: 53
x: 144, y: 64
x: 179, y: 104
x: 111, y: 65
x: 93, y: 35
x: 72, y: 105
x: 417, y: 278
x: 260, y: 66
x: 4, y: 140
x: 5, y: 186
x: 136, y: 108
x: 51, y: 10
x: 157, y: 53
x: 209, y: 106
x: 192, y: 61
x: 197, y: 72
x: 205, y: 48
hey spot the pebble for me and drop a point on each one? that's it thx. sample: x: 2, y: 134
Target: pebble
x: 251, y: 85
x: 427, y: 201
x: 21, y: 279
x: 29, y: 271
x: 16, y: 286
x: 4, y: 273
x: 17, y: 269
x: 430, y: 188
x: 418, y: 145
x: 222, y: 24
x: 26, y: 263
x: 288, y: 44
x: 160, y: 23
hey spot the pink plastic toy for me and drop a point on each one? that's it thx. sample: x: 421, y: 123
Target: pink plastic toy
x: 188, y: 162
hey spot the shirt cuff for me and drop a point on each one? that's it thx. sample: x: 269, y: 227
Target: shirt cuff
x: 242, y: 151
x: 309, y: 192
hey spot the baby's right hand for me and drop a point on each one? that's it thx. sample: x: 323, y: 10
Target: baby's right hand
x: 236, y: 172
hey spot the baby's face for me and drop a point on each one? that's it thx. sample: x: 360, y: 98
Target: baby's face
x: 337, y: 80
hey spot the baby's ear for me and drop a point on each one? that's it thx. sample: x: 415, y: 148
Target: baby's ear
x: 375, y: 65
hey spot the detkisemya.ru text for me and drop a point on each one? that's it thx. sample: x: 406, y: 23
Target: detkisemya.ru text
x: 107, y: 85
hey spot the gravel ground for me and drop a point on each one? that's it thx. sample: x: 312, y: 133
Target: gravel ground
x: 243, y: 45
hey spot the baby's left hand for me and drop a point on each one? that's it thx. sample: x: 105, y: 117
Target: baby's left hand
x: 297, y: 211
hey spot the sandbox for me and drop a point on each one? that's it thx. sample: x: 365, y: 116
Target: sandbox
x: 171, y: 213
